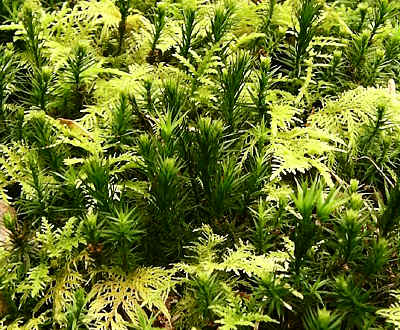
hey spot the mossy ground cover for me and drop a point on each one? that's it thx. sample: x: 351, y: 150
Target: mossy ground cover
x: 198, y: 164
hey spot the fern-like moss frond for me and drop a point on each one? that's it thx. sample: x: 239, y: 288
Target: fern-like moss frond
x: 117, y: 300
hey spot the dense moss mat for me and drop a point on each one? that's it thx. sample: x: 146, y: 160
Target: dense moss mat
x: 198, y: 164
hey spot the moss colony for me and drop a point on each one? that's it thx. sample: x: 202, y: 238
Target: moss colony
x: 199, y: 164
